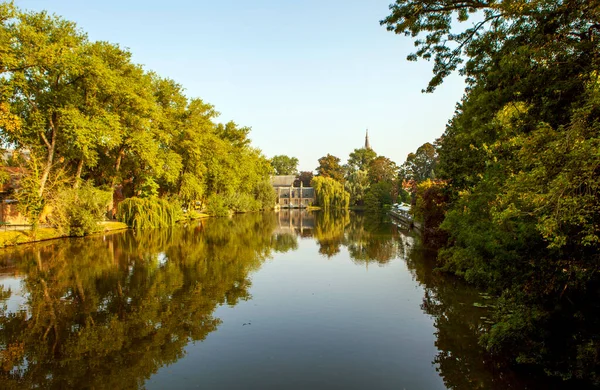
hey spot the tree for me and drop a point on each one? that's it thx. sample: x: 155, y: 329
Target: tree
x: 504, y: 25
x: 329, y: 166
x: 421, y: 165
x: 382, y: 169
x: 45, y: 73
x: 360, y: 159
x: 330, y: 194
x: 357, y: 185
x: 429, y: 210
x: 285, y: 165
x: 379, y: 197
x: 85, y: 112
x: 305, y: 177
x: 520, y: 153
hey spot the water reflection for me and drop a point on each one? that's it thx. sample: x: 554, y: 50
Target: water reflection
x: 108, y: 312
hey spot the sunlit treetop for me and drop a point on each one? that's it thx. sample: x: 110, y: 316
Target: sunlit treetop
x: 438, y: 29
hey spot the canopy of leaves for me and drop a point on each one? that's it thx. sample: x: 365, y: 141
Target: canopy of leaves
x: 284, y: 165
x: 329, y: 193
x: 522, y: 157
x: 360, y: 159
x: 84, y: 111
x: 421, y: 165
x: 329, y: 166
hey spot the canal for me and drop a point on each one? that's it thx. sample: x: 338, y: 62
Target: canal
x: 288, y: 300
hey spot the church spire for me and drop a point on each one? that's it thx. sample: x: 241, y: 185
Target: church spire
x: 367, y: 144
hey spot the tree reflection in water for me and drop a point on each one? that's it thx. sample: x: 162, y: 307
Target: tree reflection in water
x: 108, y: 312
x: 460, y: 316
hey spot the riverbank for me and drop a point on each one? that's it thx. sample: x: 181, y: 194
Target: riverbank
x: 18, y: 237
x: 12, y: 238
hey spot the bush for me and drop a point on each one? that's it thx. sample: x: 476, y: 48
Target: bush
x: 217, y: 206
x: 142, y: 213
x: 242, y: 203
x: 77, y: 211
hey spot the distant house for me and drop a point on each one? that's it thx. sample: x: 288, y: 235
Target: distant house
x: 289, y: 196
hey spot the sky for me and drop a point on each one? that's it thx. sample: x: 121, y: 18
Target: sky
x: 308, y: 76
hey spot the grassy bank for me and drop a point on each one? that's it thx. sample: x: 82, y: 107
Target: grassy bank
x: 11, y: 238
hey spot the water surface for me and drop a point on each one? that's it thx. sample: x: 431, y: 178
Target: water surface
x: 291, y: 300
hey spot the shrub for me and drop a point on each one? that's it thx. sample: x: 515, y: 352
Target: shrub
x: 142, y: 213
x: 77, y: 211
x: 217, y: 206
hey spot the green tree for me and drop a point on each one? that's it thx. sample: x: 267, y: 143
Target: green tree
x: 521, y: 154
x: 329, y: 166
x: 382, y: 169
x: 330, y: 194
x: 360, y: 159
x: 284, y: 165
x: 305, y: 177
x: 421, y: 165
x: 45, y: 75
x: 379, y: 197
x: 357, y: 185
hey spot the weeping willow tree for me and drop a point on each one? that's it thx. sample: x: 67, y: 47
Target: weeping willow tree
x: 143, y: 213
x: 330, y: 193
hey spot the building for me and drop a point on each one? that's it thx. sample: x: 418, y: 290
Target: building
x: 289, y: 196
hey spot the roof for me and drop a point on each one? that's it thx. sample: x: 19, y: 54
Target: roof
x: 283, y: 181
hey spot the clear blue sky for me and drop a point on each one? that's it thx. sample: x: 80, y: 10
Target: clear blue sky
x: 308, y: 76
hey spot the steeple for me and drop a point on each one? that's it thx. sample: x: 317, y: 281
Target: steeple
x: 367, y: 144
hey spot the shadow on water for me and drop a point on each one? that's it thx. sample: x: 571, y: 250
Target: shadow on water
x: 109, y: 311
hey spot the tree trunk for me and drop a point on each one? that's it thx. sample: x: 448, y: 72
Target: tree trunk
x: 112, y: 207
x: 51, y: 145
x: 78, y: 174
x: 118, y: 165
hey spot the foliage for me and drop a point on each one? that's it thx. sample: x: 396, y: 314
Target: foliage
x: 284, y: 165
x: 305, y: 177
x: 242, y: 203
x: 217, y: 206
x: 329, y: 193
x: 501, y: 26
x: 421, y: 165
x: 144, y: 213
x: 357, y: 185
x: 382, y: 169
x: 84, y: 108
x: 379, y: 197
x: 329, y: 166
x: 403, y: 196
x: 521, y: 154
x: 430, y: 208
x: 78, y: 211
x: 265, y: 195
x: 360, y: 159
